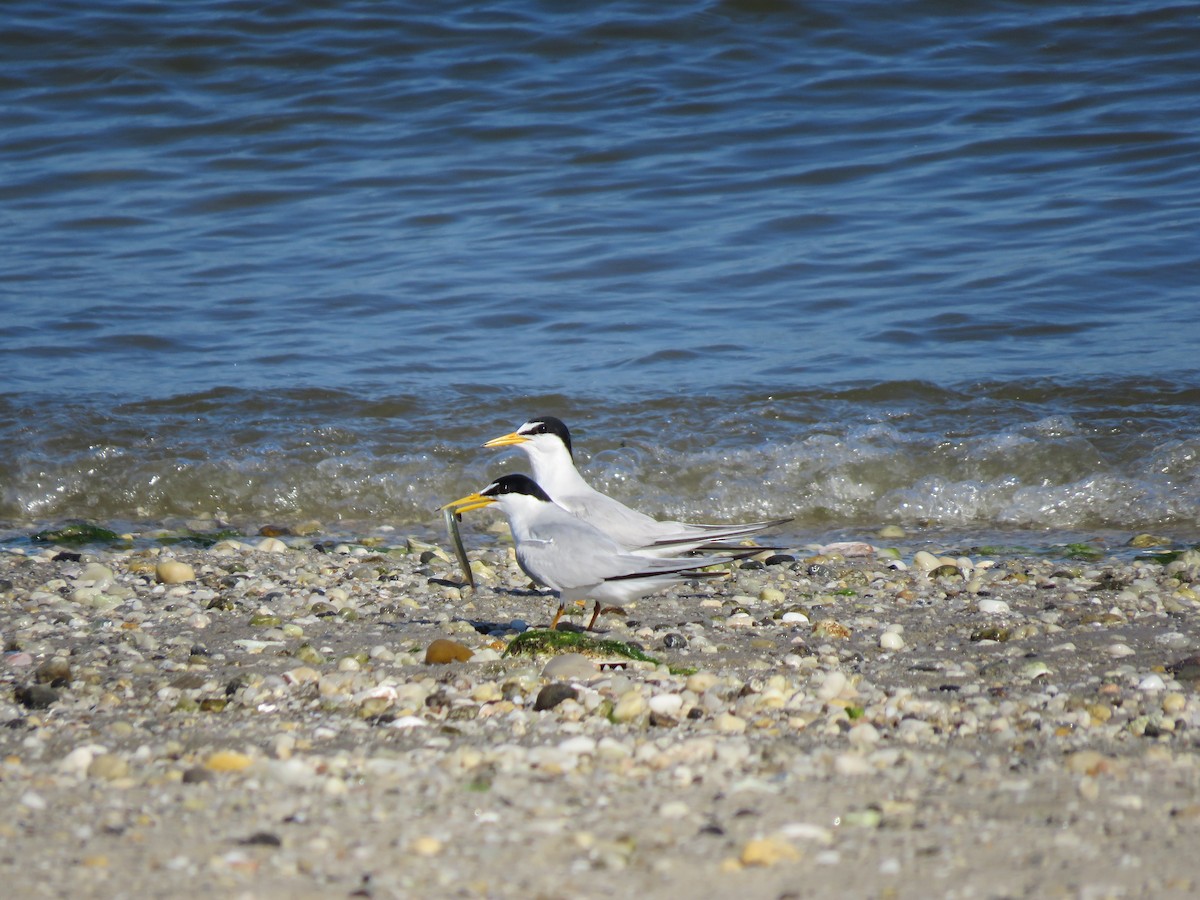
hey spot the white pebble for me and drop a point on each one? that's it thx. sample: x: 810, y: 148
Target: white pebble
x: 832, y: 686
x: 926, y: 561
x: 666, y: 704
x: 806, y: 831
x: 1152, y: 682
x: 569, y: 667
x: 77, y: 761
x: 890, y: 640
x: 1173, y: 640
x: 30, y: 800
x: 407, y: 722
x: 852, y: 764
x: 729, y: 723
x: 864, y: 734
x: 580, y: 745
x: 992, y: 607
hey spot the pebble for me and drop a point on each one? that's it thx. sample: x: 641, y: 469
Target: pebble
x: 631, y: 705
x: 34, y: 801
x: 768, y: 851
x: 228, y: 761
x: 78, y: 760
x: 891, y: 640
x: 666, y: 704
x: 926, y: 561
x: 727, y: 723
x: 1152, y: 682
x: 171, y: 571
x: 99, y: 575
x: 829, y: 628
x: 992, y: 607
x: 553, y: 694
x: 427, y: 846
x: 569, y: 667
x: 108, y: 766
x: 56, y: 669
x: 443, y: 651
x: 832, y: 686
x: 852, y: 765
x: 36, y: 696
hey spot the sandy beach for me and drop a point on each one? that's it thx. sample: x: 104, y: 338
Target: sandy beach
x: 267, y: 717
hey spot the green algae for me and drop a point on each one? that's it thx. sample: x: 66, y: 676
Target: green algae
x: 77, y: 534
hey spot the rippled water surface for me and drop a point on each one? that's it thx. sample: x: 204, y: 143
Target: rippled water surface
x: 858, y: 263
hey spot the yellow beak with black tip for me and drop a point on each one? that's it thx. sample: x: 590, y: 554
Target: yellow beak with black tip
x: 507, y: 440
x: 468, y: 503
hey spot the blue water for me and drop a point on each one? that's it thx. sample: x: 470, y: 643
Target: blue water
x: 293, y: 260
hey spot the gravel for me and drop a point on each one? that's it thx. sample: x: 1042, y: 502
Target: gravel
x: 271, y: 718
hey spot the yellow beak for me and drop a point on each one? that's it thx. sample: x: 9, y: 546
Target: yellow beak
x: 507, y: 440
x: 468, y: 503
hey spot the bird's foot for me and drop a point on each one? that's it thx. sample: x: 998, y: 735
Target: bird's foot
x: 598, y: 612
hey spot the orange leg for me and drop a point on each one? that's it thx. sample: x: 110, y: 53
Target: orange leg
x: 557, y: 616
x: 595, y: 616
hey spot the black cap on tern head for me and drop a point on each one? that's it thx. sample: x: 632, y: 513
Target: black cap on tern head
x: 515, y: 484
x: 548, y: 425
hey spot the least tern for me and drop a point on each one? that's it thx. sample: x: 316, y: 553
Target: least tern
x: 547, y: 443
x: 574, y: 559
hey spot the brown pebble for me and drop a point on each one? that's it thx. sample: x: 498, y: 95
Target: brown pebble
x: 171, y: 571
x: 768, y: 851
x: 443, y: 651
x: 55, y: 671
x: 553, y: 694
x: 1090, y: 762
x: 228, y: 761
x: 108, y: 767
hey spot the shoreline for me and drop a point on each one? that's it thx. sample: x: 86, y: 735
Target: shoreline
x: 824, y: 726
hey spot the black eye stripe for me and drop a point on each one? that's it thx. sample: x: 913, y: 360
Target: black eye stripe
x: 515, y: 484
x: 548, y: 425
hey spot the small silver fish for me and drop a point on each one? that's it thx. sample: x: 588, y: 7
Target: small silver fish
x: 459, y: 550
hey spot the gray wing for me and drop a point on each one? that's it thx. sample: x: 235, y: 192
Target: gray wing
x: 626, y: 526
x: 575, y: 556
x: 650, y: 537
